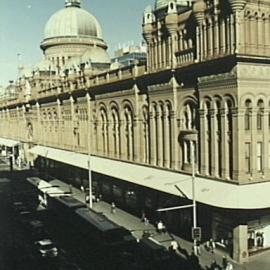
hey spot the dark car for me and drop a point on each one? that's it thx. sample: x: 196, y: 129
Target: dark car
x: 46, y: 248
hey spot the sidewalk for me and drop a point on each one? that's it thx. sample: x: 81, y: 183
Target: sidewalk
x: 137, y: 227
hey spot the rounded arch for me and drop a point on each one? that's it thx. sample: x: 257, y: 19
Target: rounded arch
x: 244, y: 98
x: 261, y: 98
x: 114, y: 105
x: 231, y: 99
x: 205, y: 101
x: 127, y: 104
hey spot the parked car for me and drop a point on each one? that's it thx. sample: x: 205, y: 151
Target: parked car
x: 46, y: 248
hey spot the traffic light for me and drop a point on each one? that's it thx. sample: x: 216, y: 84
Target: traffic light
x: 197, y: 233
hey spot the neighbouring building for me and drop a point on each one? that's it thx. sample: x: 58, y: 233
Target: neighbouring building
x: 205, y: 89
x: 129, y: 55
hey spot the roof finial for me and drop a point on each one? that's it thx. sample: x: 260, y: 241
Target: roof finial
x: 73, y: 3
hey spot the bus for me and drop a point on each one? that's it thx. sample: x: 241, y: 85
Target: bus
x: 97, y: 228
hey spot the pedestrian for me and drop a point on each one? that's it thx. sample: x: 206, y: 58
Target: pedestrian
x: 173, y: 246
x: 160, y: 227
x: 229, y: 266
x: 113, y: 208
x: 82, y: 188
x: 143, y: 216
x: 146, y: 221
x: 198, y: 246
x: 212, y: 245
x: 224, y: 262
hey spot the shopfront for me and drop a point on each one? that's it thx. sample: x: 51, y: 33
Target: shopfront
x: 259, y: 234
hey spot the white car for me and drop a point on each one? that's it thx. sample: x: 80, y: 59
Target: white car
x: 46, y: 248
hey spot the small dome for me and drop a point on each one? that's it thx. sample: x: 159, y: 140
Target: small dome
x: 96, y: 55
x: 164, y: 3
x: 72, y: 22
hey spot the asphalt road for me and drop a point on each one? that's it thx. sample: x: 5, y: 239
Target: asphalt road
x: 16, y: 245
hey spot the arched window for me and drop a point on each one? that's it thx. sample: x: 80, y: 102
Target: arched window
x: 260, y: 115
x: 248, y: 106
x: 104, y: 131
x: 115, y: 132
x: 129, y: 133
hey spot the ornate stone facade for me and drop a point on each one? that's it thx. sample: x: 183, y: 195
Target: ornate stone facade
x: 206, y: 86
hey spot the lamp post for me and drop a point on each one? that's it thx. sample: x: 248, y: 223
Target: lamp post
x: 194, y: 198
x: 196, y: 231
x: 90, y: 181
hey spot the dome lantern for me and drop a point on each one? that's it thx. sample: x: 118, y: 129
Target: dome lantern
x: 73, y: 3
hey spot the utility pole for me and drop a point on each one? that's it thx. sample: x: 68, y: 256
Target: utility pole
x: 194, y: 198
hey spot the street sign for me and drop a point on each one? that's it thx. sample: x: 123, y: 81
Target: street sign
x: 197, y: 233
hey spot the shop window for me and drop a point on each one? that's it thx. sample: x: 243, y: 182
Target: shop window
x: 106, y: 188
x: 131, y: 198
x: 149, y: 203
x: 117, y: 191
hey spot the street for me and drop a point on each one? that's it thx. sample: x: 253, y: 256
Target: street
x: 18, y: 251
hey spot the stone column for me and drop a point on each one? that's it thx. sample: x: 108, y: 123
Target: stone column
x: 164, y: 53
x: 240, y: 243
x: 137, y: 125
x: 160, y: 136
x: 233, y: 35
x: 39, y: 131
x: 254, y: 139
x: 203, y: 143
x: 72, y: 141
x: 211, y: 38
x: 205, y: 55
x: 265, y: 142
x: 225, y: 144
x: 60, y: 126
x: 170, y: 54
x: 223, y: 37
x: 216, y: 36
x: 153, y: 137
x: 167, y: 139
x: 238, y: 144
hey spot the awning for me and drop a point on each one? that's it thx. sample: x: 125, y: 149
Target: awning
x: 8, y: 142
x: 208, y: 191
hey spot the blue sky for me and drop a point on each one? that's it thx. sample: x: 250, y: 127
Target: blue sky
x: 22, y: 23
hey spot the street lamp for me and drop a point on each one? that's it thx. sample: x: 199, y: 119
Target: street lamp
x: 194, y: 200
x: 196, y: 231
x: 90, y: 181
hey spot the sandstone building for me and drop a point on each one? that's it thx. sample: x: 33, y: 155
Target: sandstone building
x: 205, y: 89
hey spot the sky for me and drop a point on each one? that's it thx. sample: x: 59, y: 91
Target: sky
x: 22, y: 24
